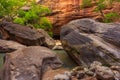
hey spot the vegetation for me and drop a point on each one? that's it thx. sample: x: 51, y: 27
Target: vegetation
x: 110, y: 17
x: 9, y: 8
x: 86, y: 3
x: 13, y: 10
x: 101, y: 5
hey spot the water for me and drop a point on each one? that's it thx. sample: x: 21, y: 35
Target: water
x: 1, y: 59
x: 67, y: 61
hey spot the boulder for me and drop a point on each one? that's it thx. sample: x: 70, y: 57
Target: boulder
x: 9, y: 46
x: 49, y: 42
x: 86, y: 40
x: 29, y: 63
x: 21, y: 34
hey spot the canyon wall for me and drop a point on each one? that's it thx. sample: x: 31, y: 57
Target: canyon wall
x: 63, y: 11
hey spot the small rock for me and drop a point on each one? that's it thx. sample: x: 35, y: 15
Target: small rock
x: 95, y: 64
x: 104, y: 73
x: 115, y: 68
x: 62, y: 77
x: 76, y: 69
x: 90, y: 73
x: 68, y: 73
x: 80, y: 74
x: 58, y: 45
x: 116, y: 75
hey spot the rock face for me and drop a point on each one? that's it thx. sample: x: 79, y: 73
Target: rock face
x: 86, y: 40
x: 9, y: 46
x: 66, y: 10
x: 21, y: 34
x: 29, y: 63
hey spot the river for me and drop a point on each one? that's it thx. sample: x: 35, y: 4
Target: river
x: 1, y: 60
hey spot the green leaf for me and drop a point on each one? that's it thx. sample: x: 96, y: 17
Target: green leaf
x: 19, y: 21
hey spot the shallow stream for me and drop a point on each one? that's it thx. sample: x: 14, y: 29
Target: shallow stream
x: 67, y: 61
x: 1, y: 59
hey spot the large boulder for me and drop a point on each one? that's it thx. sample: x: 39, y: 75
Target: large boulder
x: 86, y: 40
x: 21, y: 34
x: 9, y: 46
x: 29, y: 63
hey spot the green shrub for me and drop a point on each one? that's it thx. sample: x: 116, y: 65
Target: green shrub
x: 35, y: 16
x: 45, y: 23
x: 110, y: 17
x: 19, y: 21
x: 9, y: 8
x: 100, y: 6
x: 86, y: 3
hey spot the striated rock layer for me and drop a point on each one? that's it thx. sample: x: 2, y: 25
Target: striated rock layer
x: 25, y: 35
x: 21, y: 34
x: 86, y: 40
x: 63, y: 11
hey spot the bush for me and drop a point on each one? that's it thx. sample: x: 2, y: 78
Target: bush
x: 86, y: 3
x: 110, y: 17
x: 34, y: 17
x: 9, y: 8
x: 100, y: 6
x: 19, y: 21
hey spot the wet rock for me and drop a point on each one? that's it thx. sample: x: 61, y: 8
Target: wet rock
x: 49, y: 42
x: 29, y: 63
x: 22, y: 34
x: 86, y: 40
x: 9, y: 46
